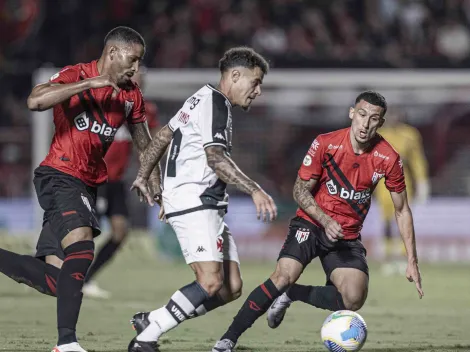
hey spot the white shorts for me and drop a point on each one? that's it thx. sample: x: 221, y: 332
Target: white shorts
x: 204, y: 236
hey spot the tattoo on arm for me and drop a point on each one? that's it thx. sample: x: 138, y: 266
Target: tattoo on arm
x: 228, y: 171
x: 304, y: 198
x: 153, y: 152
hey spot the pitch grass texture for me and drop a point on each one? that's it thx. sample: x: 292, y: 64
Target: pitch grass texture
x: 398, y: 321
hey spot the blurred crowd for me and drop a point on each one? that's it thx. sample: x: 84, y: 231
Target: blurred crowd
x: 194, y: 33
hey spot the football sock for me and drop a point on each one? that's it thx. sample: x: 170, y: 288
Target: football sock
x: 103, y: 257
x: 210, y: 304
x: 257, y: 303
x: 30, y: 271
x: 78, y: 258
x: 181, y: 305
x: 324, y: 297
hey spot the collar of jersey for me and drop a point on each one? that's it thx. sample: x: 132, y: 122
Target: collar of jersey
x: 218, y: 91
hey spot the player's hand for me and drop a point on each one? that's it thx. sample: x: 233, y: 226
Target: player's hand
x: 104, y: 81
x: 413, y: 275
x: 333, y: 230
x: 264, y: 205
x: 143, y: 191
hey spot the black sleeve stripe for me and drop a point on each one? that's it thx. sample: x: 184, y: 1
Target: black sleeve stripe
x: 219, y: 116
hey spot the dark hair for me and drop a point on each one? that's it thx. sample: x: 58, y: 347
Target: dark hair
x: 243, y: 56
x: 373, y: 98
x: 126, y: 35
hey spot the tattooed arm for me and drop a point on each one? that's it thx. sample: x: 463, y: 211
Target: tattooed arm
x: 228, y: 171
x: 304, y: 198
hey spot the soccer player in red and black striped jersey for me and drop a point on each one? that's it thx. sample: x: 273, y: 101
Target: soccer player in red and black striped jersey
x: 90, y: 103
x: 333, y: 190
x: 112, y: 196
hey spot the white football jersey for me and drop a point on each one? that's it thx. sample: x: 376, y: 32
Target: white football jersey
x: 204, y: 120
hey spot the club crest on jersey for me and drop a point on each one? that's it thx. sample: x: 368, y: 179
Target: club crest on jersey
x: 302, y: 235
x: 128, y: 105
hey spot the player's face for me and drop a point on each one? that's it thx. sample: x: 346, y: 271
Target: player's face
x: 247, y: 86
x: 366, y: 119
x: 125, y: 62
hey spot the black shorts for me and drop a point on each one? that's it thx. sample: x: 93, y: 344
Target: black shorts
x: 306, y: 241
x: 112, y: 199
x: 68, y: 203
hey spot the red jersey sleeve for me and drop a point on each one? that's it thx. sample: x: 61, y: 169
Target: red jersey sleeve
x: 312, y: 165
x: 138, y: 109
x: 395, y: 178
x: 68, y: 74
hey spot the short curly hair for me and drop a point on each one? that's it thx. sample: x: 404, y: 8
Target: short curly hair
x: 374, y: 98
x: 243, y: 57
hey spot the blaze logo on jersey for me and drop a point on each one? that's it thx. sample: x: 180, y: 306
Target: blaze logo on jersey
x: 82, y: 122
x: 360, y: 196
x: 302, y: 235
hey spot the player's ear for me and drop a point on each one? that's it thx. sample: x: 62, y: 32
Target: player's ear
x: 112, y: 52
x: 381, y: 122
x: 351, y: 112
x: 235, y: 75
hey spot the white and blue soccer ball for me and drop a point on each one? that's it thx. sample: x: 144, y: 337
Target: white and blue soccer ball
x: 343, y: 331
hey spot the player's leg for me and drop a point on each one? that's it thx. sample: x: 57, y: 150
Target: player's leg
x: 40, y: 272
x: 200, y: 238
x: 296, y: 253
x: 232, y: 285
x: 112, y: 204
x: 347, y: 274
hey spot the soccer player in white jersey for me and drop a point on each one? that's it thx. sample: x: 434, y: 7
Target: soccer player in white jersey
x: 194, y: 199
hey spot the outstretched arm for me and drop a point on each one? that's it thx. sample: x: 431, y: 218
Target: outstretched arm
x: 45, y: 96
x: 405, y: 225
x: 304, y: 198
x: 228, y: 171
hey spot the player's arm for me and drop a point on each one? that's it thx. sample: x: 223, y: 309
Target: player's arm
x: 304, y: 198
x: 226, y: 169
x: 150, y: 156
x: 405, y: 225
x: 45, y: 96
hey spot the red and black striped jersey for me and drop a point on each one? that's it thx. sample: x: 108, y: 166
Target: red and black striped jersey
x: 346, y: 180
x: 85, y: 124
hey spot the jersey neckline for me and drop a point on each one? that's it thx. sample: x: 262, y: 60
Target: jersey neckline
x: 218, y: 91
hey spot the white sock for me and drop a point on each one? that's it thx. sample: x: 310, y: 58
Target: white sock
x: 150, y: 333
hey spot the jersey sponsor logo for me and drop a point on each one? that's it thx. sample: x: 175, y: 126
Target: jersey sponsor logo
x: 82, y: 122
x: 307, y: 160
x: 302, y: 235
x: 331, y: 146
x: 128, y: 105
x: 378, y: 155
x: 183, y: 117
x: 359, y: 196
x: 376, y: 177
x: 314, y: 147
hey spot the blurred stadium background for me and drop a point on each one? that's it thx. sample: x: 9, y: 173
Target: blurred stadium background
x: 322, y: 54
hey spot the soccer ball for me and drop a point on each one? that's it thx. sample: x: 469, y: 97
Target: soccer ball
x: 343, y: 331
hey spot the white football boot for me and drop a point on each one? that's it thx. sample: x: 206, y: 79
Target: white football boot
x: 277, y: 311
x: 70, y: 347
x: 92, y: 290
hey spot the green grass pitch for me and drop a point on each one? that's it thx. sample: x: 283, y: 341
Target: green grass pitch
x: 398, y: 321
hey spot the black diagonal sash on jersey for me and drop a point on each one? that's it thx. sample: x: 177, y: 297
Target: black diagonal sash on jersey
x: 105, y: 141
x: 334, y: 167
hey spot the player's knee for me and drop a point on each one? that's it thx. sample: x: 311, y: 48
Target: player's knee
x: 120, y: 234
x: 282, y: 279
x: 120, y: 228
x: 236, y: 286
x: 353, y: 299
x: 211, y: 282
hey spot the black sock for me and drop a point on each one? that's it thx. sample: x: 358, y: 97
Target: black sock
x: 208, y: 305
x: 257, y: 303
x: 30, y: 271
x: 102, y: 257
x: 324, y: 297
x: 78, y: 258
